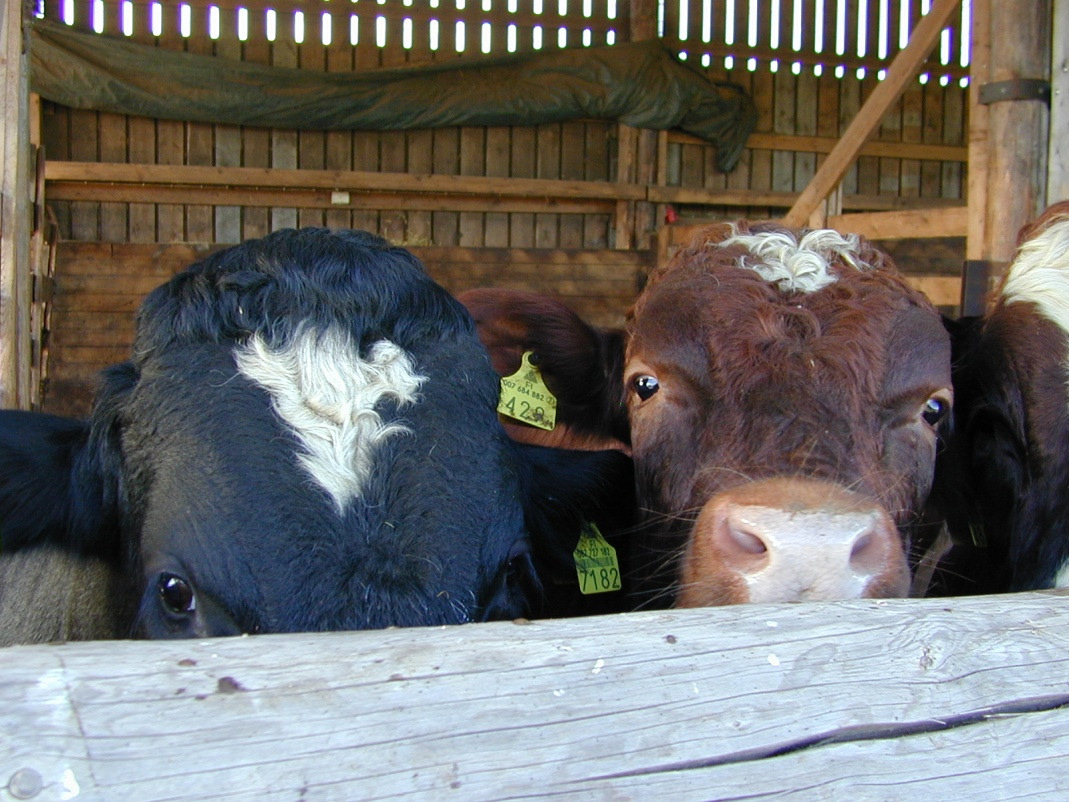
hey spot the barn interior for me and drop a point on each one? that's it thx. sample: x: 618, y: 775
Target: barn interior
x: 110, y: 202
x: 935, y: 127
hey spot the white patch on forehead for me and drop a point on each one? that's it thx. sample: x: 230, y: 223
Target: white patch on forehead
x: 1040, y: 274
x: 793, y: 265
x: 326, y: 394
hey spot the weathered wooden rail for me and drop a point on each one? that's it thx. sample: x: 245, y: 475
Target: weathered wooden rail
x: 872, y: 700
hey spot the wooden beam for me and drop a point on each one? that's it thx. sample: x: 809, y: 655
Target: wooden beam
x: 976, y: 189
x: 961, y: 698
x: 907, y: 224
x: 431, y: 200
x: 337, y: 180
x: 902, y: 70
x: 757, y: 197
x: 16, y: 193
x: 317, y: 199
x: 793, y: 143
x: 1017, y: 129
x: 1058, y: 160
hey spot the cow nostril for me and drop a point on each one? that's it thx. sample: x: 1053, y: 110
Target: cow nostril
x: 747, y: 541
x: 869, y: 551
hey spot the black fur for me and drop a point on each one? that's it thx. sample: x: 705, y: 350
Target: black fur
x: 184, y: 474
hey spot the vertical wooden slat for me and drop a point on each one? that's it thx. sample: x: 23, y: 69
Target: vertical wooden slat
x: 954, y: 100
x: 283, y: 141
x: 805, y: 124
x: 393, y: 144
x: 170, y: 134
x: 595, y: 227
x: 228, y: 137
x: 85, y: 126
x: 547, y: 166
x: 472, y: 162
x: 497, y: 164
x: 1058, y: 157
x: 420, y: 146
x: 446, y: 225
x: 763, y: 92
x: 365, y: 154
x: 256, y: 221
x: 311, y: 145
x: 200, y: 137
x: 523, y: 145
x: 572, y: 163
x: 16, y: 182
x: 783, y: 122
x: 931, y: 131
x: 626, y: 173
x: 113, y: 148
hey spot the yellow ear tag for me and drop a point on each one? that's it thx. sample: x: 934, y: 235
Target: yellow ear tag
x: 595, y: 562
x: 525, y: 397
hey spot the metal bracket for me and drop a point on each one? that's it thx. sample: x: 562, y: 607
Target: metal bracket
x: 1015, y: 89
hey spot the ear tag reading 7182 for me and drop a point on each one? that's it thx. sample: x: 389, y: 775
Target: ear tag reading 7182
x: 525, y: 397
x: 595, y: 562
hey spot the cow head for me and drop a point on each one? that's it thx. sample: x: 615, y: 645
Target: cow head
x: 785, y: 389
x: 305, y: 438
x: 1002, y: 481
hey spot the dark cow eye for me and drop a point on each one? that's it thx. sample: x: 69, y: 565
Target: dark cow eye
x: 176, y: 594
x: 935, y: 409
x: 645, y: 386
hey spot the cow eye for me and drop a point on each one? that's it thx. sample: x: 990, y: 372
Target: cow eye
x: 935, y: 409
x: 645, y: 386
x: 176, y: 594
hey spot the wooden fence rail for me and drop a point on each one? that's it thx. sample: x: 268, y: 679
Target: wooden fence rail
x: 870, y: 700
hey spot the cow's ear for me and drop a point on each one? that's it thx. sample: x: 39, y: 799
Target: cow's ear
x: 582, y: 365
x: 59, y: 477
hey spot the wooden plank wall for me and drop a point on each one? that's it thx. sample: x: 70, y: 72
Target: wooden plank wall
x: 803, y: 103
x: 99, y: 286
x: 805, y: 92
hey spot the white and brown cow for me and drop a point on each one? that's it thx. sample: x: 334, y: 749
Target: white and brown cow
x: 784, y: 390
x: 1003, y: 482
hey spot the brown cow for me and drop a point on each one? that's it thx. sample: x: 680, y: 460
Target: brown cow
x: 784, y: 392
x: 785, y: 388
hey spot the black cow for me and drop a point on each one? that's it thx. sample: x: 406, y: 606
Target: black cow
x: 304, y: 439
x: 1002, y: 479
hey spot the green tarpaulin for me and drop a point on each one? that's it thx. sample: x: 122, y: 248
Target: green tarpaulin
x: 641, y: 84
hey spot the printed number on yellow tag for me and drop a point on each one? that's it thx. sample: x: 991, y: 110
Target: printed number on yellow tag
x: 525, y: 397
x: 595, y: 562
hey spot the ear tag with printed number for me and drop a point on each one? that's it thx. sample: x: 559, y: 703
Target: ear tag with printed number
x: 595, y: 562
x: 525, y: 397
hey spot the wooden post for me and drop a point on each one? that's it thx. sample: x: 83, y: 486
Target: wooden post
x: 644, y: 26
x: 1017, y: 129
x: 902, y: 70
x: 15, y: 212
x: 1058, y: 161
x: 978, y: 139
